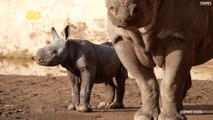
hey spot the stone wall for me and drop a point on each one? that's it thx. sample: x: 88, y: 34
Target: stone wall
x: 25, y: 24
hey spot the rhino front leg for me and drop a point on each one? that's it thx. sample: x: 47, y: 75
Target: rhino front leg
x: 145, y: 79
x: 75, y: 90
x: 178, y: 63
x: 87, y: 81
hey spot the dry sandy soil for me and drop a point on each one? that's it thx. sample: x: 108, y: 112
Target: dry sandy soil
x: 47, y: 98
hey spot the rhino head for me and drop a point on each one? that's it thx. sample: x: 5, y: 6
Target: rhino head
x: 55, y: 52
x: 131, y: 13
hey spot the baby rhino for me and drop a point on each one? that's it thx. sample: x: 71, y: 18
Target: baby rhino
x: 86, y: 64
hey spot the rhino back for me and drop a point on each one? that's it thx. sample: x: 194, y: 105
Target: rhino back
x: 204, y: 45
x: 187, y: 20
x: 108, y: 63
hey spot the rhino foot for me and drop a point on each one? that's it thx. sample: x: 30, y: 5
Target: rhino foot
x: 116, y: 105
x: 83, y: 108
x: 141, y: 115
x: 169, y: 116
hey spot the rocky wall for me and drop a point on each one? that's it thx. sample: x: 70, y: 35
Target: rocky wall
x: 25, y: 24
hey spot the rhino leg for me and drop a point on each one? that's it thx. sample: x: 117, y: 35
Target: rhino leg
x: 75, y: 90
x: 145, y: 79
x: 178, y: 63
x: 185, y: 89
x: 187, y: 85
x: 110, y: 87
x: 120, y: 80
x: 87, y: 81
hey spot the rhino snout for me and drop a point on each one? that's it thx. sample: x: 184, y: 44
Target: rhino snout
x: 38, y: 57
x: 39, y: 60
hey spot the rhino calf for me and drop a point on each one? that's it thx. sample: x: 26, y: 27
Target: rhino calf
x: 86, y: 64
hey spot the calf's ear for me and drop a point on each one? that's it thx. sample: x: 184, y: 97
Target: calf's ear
x: 54, y: 34
x: 67, y: 32
x: 67, y: 42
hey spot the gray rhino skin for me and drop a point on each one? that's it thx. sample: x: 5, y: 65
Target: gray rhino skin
x: 172, y: 34
x: 86, y: 64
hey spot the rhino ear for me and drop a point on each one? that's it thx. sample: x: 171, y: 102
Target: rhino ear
x: 55, y: 34
x: 67, y: 32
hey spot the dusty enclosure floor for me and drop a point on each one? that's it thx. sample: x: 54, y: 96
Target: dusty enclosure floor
x: 47, y: 98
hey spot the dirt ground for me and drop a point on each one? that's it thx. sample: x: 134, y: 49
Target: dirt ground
x: 47, y: 98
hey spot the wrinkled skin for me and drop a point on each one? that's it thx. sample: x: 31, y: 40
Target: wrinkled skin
x: 172, y: 34
x: 86, y: 64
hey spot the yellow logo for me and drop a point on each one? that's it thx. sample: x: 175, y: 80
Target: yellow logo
x: 33, y: 15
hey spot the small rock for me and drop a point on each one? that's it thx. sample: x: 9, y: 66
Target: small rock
x: 19, y: 110
x: 67, y: 101
x: 71, y: 107
x: 9, y: 105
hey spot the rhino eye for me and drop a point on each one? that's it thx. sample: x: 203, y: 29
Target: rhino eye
x: 54, y: 52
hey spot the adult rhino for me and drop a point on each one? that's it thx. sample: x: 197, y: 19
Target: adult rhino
x: 172, y: 34
x: 86, y: 64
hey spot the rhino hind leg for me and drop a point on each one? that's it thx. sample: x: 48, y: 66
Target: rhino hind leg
x: 176, y: 79
x: 110, y: 88
x: 120, y: 80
